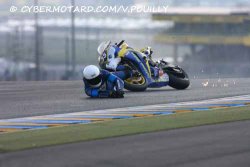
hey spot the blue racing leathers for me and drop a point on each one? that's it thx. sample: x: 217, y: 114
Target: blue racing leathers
x: 111, y: 82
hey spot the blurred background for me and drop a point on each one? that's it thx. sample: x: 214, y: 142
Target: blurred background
x: 208, y: 38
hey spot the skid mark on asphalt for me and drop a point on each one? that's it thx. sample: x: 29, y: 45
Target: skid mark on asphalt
x: 86, y: 117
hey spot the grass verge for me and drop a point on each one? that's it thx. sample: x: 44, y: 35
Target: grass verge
x: 76, y: 133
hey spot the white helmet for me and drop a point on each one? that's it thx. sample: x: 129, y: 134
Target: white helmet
x: 92, y: 76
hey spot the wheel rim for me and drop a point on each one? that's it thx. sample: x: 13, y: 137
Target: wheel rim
x: 136, y: 80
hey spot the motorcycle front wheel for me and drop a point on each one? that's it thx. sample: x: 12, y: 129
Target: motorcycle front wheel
x: 178, y: 78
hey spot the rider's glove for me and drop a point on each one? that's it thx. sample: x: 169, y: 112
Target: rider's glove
x: 117, y: 94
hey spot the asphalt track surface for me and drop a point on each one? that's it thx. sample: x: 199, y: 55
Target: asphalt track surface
x: 215, y: 145
x: 222, y: 145
x: 20, y: 99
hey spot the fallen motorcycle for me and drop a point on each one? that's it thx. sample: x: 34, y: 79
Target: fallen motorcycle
x: 159, y: 75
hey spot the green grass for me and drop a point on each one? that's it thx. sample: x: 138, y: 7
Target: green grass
x: 76, y: 133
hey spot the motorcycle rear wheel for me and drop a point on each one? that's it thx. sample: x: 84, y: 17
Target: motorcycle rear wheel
x: 136, y: 84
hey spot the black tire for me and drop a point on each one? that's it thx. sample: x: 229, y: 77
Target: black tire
x: 178, y: 80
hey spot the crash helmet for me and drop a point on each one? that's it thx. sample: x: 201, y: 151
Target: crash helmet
x: 92, y: 75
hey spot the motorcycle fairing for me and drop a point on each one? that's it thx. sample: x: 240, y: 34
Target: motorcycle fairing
x: 142, y: 66
x: 160, y: 82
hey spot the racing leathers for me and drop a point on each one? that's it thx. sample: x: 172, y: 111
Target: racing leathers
x: 111, y: 85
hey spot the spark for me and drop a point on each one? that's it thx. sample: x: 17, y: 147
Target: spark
x: 205, y: 84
